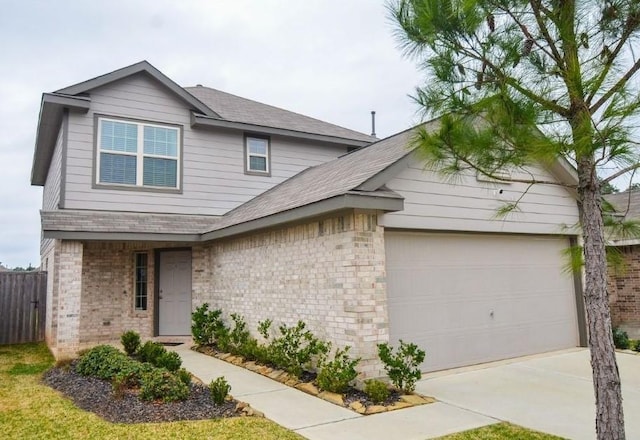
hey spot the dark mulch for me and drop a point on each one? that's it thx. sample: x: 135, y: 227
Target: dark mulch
x: 96, y: 395
x: 356, y: 395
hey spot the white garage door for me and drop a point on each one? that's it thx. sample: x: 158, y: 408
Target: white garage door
x: 472, y: 298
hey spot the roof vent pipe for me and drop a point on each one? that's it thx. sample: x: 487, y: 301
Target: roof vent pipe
x: 373, y: 123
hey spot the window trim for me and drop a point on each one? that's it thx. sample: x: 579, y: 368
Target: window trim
x: 248, y: 155
x: 96, y: 184
x: 136, y: 282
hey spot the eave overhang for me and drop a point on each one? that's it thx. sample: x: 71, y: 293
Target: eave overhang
x: 52, y: 108
x: 352, y: 200
x: 198, y: 120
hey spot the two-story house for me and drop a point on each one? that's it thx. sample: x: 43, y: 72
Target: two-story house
x: 158, y: 198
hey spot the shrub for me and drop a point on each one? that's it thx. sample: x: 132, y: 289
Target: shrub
x: 151, y: 352
x: 103, y: 362
x: 264, y: 328
x: 184, y: 376
x: 337, y: 374
x: 251, y: 350
x: 130, y: 375
x: 206, y: 325
x: 377, y: 390
x: 169, y: 360
x: 620, y: 338
x: 161, y: 384
x: 636, y: 347
x: 130, y: 341
x: 239, y: 335
x: 219, y: 389
x: 294, y: 349
x: 403, y: 367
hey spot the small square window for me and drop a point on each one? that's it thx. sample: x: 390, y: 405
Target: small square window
x: 257, y: 151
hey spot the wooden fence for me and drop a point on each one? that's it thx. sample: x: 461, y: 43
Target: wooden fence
x: 23, y: 297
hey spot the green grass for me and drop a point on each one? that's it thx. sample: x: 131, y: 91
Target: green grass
x: 500, y: 431
x: 31, y: 410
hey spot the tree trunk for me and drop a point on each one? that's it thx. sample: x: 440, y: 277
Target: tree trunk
x: 606, y: 378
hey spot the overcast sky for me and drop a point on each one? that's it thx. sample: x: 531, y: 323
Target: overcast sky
x: 335, y: 60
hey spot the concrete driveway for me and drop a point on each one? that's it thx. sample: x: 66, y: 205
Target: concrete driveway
x: 551, y: 393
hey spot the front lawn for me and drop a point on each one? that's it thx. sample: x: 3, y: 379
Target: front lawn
x: 500, y: 431
x: 29, y: 409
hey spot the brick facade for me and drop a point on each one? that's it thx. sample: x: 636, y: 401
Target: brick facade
x: 329, y: 273
x: 624, y: 292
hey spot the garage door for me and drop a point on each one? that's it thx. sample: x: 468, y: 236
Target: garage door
x: 471, y: 298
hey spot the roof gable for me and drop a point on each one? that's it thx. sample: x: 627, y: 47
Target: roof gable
x: 140, y: 67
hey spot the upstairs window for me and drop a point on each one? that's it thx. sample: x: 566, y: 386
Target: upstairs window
x: 138, y: 154
x: 257, y: 155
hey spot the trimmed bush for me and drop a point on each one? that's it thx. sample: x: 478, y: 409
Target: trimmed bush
x: 184, y: 376
x: 376, y: 390
x: 169, y: 360
x: 130, y: 341
x: 219, y: 390
x: 403, y: 366
x: 251, y: 350
x: 151, y: 352
x: 161, y: 384
x: 206, y: 325
x: 336, y: 375
x: 620, y: 338
x: 295, y: 348
x: 103, y: 362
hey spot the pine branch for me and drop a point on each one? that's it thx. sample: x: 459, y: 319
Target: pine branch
x: 620, y: 84
x: 621, y: 172
x: 628, y: 31
x: 535, y: 6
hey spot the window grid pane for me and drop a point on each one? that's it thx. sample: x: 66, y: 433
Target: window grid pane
x: 257, y: 163
x: 141, y: 281
x: 160, y: 172
x: 119, y: 136
x: 161, y: 141
x: 117, y: 168
x: 257, y: 146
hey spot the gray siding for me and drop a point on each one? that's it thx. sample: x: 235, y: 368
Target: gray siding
x: 464, y: 203
x: 52, y: 187
x: 213, y: 160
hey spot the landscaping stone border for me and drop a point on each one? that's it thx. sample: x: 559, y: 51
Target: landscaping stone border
x: 404, y: 401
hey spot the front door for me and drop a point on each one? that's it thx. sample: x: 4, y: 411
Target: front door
x: 174, y: 293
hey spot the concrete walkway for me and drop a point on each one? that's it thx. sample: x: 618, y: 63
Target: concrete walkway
x: 316, y: 419
x: 551, y: 392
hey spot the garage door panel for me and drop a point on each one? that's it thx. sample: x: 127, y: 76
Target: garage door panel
x: 469, y: 298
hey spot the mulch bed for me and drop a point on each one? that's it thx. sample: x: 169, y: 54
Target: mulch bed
x: 351, y: 395
x: 96, y: 395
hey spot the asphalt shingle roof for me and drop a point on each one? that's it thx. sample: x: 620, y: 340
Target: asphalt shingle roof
x: 236, y: 109
x: 626, y: 203
x: 125, y: 222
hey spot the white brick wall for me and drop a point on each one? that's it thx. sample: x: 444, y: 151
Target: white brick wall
x: 330, y: 274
